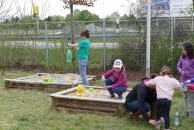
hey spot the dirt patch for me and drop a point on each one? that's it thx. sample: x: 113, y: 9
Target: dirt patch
x: 131, y: 75
x: 31, y: 68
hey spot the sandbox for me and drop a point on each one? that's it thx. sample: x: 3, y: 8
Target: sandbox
x: 71, y: 100
x: 44, y: 81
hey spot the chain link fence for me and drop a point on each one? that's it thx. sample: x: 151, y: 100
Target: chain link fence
x: 44, y: 44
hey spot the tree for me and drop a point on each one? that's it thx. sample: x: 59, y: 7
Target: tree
x: 56, y: 18
x: 111, y: 19
x: 83, y: 15
x: 76, y: 13
x: 114, y: 16
x: 12, y: 20
x: 4, y: 9
x: 193, y: 3
x: 69, y: 5
x: 127, y: 17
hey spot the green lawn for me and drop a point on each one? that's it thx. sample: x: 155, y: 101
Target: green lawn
x: 31, y: 110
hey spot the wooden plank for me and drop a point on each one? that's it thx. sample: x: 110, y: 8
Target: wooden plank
x: 63, y: 100
x: 30, y: 85
x: 53, y: 103
x: 122, y: 109
x: 85, y: 102
x: 21, y: 82
x: 90, y: 106
x: 86, y: 107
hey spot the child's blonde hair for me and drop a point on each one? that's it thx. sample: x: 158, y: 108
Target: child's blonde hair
x: 165, y: 70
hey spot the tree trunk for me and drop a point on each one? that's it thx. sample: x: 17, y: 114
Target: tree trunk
x: 72, y: 24
x: 193, y: 3
x: 72, y: 32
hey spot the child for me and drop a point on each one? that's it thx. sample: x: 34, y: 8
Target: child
x: 83, y: 50
x: 165, y: 84
x: 191, y: 88
x: 185, y: 67
x: 120, y: 83
x: 140, y: 100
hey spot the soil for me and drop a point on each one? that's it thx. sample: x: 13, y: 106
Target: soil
x: 132, y: 75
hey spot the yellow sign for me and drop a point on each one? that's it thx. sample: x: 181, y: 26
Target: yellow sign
x: 35, y: 10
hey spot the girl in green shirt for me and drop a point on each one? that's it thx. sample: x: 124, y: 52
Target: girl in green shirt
x: 83, y: 50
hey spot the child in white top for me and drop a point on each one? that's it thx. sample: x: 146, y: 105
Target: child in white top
x: 165, y: 85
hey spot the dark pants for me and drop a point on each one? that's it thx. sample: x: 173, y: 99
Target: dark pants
x: 133, y: 106
x: 163, y: 109
x: 118, y: 90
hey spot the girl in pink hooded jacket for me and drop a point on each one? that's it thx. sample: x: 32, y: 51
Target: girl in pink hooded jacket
x: 119, y: 84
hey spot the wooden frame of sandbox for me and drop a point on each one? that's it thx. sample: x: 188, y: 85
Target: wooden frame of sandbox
x: 62, y: 101
x: 27, y: 83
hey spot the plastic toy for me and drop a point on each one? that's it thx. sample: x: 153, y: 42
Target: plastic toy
x: 48, y: 79
x: 69, y: 79
x: 190, y: 86
x: 189, y: 81
x: 60, y: 81
x: 97, y: 90
x: 81, y: 95
x: 91, y: 89
x: 80, y: 88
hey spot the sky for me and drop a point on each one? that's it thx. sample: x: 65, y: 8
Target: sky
x: 47, y: 8
x: 102, y: 8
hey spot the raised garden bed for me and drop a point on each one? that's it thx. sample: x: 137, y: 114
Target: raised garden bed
x: 71, y: 100
x: 44, y: 81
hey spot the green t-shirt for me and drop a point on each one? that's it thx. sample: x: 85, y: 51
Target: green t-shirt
x: 84, y: 46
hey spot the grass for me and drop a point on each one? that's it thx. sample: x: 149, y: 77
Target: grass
x: 31, y: 110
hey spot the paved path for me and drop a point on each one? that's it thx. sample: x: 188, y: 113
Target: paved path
x: 52, y: 45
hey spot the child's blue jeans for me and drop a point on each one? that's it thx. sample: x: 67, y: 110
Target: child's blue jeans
x: 82, y: 70
x: 118, y: 90
x: 133, y: 106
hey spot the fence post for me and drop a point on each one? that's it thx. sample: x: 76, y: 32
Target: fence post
x: 47, y: 44
x: 172, y: 40
x: 104, y: 44
x: 192, y: 21
x: 148, y: 38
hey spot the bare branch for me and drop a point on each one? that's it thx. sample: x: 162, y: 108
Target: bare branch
x: 5, y: 8
x: 78, y: 2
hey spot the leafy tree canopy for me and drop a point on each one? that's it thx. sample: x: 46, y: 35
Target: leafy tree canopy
x: 83, y: 15
x: 56, y: 18
x: 113, y: 16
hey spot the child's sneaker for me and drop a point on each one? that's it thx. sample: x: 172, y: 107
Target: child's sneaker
x: 158, y: 125
x: 185, y: 114
x: 120, y: 96
x: 112, y: 96
x: 191, y: 114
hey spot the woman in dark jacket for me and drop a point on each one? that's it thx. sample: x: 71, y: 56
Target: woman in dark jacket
x: 140, y: 100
